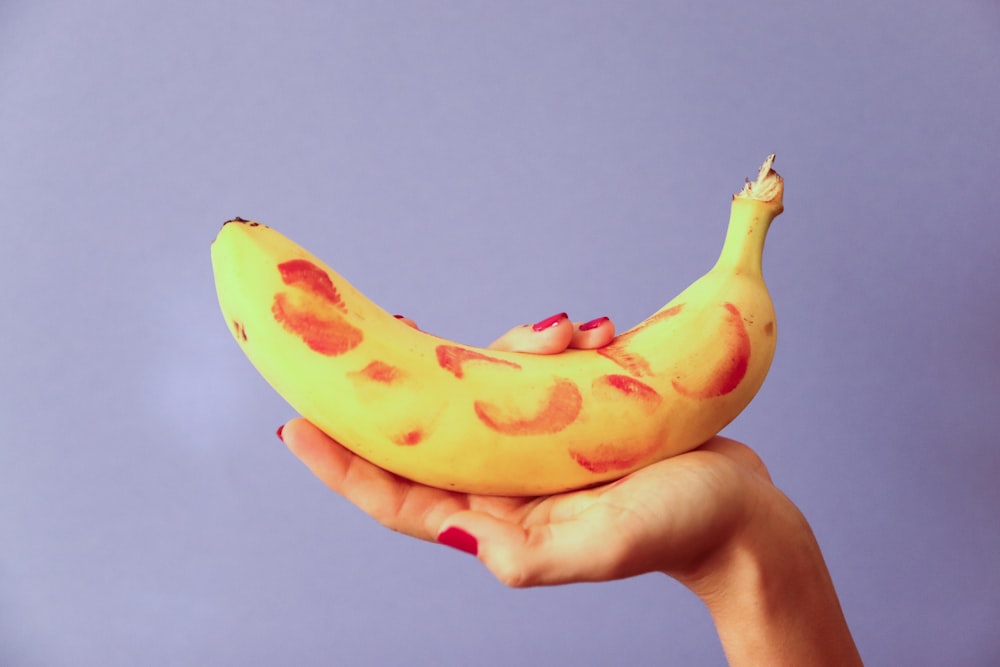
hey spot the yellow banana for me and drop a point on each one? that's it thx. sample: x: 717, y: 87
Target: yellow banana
x: 477, y: 420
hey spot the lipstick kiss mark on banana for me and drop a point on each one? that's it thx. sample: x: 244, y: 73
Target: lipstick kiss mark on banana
x: 635, y: 400
x: 614, y: 456
x: 312, y: 309
x: 624, y: 388
x: 453, y: 358
x: 620, y: 349
x: 559, y: 409
x: 720, y: 375
x: 409, y: 438
x: 379, y: 371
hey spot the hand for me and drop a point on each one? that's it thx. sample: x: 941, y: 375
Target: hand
x: 669, y: 516
x: 711, y: 518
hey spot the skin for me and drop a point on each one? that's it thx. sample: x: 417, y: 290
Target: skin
x: 711, y: 518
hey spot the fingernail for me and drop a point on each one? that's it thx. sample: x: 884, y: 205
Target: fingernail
x: 549, y: 322
x: 278, y: 432
x: 456, y: 538
x: 400, y: 317
x: 593, y: 324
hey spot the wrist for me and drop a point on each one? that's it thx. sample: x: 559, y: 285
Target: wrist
x: 770, y: 594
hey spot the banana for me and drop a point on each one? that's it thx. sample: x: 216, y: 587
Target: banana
x: 476, y: 420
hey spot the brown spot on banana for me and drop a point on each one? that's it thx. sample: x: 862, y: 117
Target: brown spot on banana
x: 560, y: 408
x: 239, y: 331
x: 313, y: 310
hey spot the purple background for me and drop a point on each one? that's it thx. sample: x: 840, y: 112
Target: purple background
x: 476, y: 165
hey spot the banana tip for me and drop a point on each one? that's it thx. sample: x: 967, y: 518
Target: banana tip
x: 768, y: 187
x: 242, y: 221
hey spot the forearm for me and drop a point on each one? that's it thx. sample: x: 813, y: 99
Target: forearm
x: 772, y: 599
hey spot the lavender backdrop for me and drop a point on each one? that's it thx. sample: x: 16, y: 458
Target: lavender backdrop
x: 476, y: 165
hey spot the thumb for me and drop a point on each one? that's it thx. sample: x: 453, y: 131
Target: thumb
x: 541, y: 555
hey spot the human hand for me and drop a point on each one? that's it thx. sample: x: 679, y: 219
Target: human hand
x: 670, y: 516
x: 711, y: 518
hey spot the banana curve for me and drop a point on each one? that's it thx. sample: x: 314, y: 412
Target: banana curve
x: 477, y: 420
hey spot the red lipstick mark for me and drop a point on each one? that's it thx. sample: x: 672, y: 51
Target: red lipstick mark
x: 313, y: 309
x: 657, y: 317
x: 379, y: 371
x: 732, y: 364
x: 560, y: 409
x: 609, y: 457
x: 451, y: 358
x: 410, y: 438
x: 628, y: 386
x: 303, y: 273
x: 619, y: 353
x: 616, y: 386
x: 617, y: 350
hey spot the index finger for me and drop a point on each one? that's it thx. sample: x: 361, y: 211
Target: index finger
x: 393, y: 501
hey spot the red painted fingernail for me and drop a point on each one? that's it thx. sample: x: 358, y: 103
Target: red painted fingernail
x: 400, y: 317
x: 593, y: 324
x: 278, y: 432
x: 456, y: 538
x: 549, y: 322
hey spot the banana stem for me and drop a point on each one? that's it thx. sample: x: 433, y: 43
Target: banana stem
x: 751, y: 213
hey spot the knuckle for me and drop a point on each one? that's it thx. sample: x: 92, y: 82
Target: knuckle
x: 512, y: 574
x: 515, y: 579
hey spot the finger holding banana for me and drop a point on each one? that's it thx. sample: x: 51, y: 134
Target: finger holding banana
x: 550, y: 335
